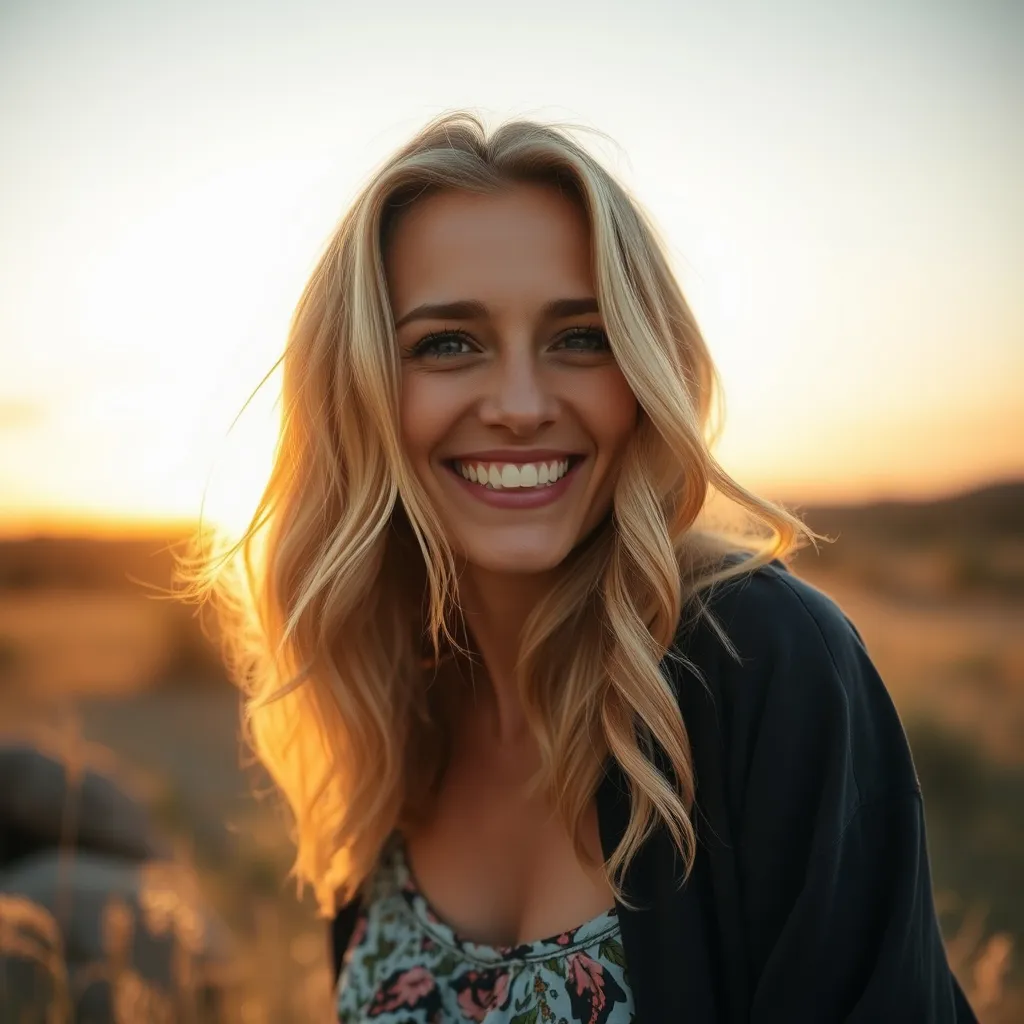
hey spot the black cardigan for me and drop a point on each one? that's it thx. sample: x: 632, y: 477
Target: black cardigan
x: 810, y: 898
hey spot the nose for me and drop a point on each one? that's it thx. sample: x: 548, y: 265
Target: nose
x: 517, y: 395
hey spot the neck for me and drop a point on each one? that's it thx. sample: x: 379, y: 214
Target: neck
x: 495, y: 607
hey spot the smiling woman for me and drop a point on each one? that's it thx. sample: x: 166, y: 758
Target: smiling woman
x: 555, y: 747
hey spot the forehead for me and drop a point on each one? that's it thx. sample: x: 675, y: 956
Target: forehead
x: 529, y: 240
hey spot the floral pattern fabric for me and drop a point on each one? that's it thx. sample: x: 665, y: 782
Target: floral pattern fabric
x: 403, y: 965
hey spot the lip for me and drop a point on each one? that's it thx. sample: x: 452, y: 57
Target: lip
x: 517, y: 455
x: 517, y: 498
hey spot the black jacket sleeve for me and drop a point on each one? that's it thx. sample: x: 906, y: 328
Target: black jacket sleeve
x: 859, y: 942
x: 827, y: 821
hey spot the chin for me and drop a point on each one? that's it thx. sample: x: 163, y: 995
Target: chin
x: 517, y: 559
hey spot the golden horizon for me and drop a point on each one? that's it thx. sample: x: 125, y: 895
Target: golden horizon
x: 69, y: 524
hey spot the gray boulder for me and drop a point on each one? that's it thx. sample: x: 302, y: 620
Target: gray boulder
x: 39, y: 810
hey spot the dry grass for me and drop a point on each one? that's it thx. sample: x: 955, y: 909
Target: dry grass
x: 983, y: 963
x: 30, y: 935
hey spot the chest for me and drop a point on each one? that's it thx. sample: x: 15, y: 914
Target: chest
x: 496, y: 863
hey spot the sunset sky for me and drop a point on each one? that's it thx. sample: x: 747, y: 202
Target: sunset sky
x: 840, y: 184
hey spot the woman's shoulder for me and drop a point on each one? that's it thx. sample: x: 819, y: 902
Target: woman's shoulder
x: 801, y: 690
x: 771, y: 616
x: 772, y: 605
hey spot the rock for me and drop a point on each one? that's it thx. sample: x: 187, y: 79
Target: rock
x: 39, y: 810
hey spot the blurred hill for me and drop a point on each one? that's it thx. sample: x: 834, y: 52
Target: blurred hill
x: 90, y: 563
x: 995, y: 512
x: 975, y: 528
x: 966, y: 547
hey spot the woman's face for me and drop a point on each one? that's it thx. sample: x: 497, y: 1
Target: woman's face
x: 514, y: 412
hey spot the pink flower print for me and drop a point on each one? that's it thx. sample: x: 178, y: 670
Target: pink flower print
x: 564, y: 939
x: 479, y: 992
x: 409, y: 988
x: 358, y: 934
x: 592, y: 990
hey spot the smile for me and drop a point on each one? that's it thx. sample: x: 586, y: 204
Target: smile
x: 516, y: 485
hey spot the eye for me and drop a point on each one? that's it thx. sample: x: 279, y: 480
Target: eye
x: 584, y: 339
x: 439, y: 344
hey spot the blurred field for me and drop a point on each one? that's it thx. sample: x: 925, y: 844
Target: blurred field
x: 937, y: 591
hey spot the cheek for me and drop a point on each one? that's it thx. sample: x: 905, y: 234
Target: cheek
x: 611, y: 412
x: 425, y: 417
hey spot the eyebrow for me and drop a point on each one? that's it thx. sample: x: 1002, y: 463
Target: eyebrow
x: 470, y: 309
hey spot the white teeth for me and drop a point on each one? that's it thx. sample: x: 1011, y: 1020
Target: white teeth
x: 510, y: 476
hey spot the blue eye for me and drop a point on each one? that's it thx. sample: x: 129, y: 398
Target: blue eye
x: 440, y: 343
x: 593, y: 339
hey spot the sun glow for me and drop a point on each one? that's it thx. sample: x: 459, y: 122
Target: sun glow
x: 186, y: 312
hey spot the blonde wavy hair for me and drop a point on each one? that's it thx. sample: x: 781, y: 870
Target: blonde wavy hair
x: 335, y: 604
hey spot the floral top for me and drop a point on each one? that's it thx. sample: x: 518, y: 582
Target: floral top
x: 403, y: 965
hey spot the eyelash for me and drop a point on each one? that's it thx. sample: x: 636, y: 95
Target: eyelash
x: 421, y: 348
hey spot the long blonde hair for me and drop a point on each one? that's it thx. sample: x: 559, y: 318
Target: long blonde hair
x: 343, y: 580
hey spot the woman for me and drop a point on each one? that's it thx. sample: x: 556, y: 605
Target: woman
x: 556, y: 748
